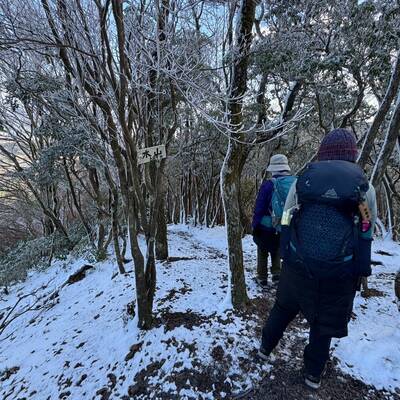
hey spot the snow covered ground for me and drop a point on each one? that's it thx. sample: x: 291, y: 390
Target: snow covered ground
x: 371, y: 352
x: 81, y: 343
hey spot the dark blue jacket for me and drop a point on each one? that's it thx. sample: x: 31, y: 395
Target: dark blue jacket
x: 263, y: 203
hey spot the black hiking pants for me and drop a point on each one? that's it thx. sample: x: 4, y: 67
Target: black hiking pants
x: 262, y: 262
x: 267, y: 246
x: 316, y: 353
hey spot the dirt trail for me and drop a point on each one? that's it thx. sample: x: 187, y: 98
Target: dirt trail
x: 284, y: 381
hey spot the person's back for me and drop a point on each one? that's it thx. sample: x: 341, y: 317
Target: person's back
x: 325, y: 250
x: 268, y: 211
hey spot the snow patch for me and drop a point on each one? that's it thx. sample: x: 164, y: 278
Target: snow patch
x: 371, y: 352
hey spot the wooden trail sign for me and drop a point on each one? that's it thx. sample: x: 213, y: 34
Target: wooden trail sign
x: 151, y: 153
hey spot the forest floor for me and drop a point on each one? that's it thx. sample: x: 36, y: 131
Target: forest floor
x: 80, y: 340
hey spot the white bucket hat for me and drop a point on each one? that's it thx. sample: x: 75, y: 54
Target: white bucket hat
x: 277, y: 163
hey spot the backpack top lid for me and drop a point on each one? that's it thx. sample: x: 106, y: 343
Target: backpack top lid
x: 334, y: 182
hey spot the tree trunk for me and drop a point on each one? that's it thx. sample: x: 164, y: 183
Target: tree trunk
x: 115, y: 222
x: 397, y: 288
x: 76, y: 203
x: 230, y: 181
x: 182, y: 202
x: 381, y: 114
x: 161, y: 233
x: 143, y: 306
x: 232, y: 167
x: 388, y: 145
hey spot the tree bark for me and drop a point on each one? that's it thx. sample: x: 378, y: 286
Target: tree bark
x: 232, y: 166
x: 76, y: 203
x: 230, y: 182
x: 161, y: 233
x: 388, y: 145
x: 115, y: 221
x: 381, y: 114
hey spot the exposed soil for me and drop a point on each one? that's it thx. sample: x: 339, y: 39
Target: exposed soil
x: 7, y: 373
x: 384, y: 253
x: 171, y: 320
x: 133, y: 350
x: 176, y: 293
x: 78, y: 275
x: 175, y: 259
x: 288, y: 385
x: 371, y: 292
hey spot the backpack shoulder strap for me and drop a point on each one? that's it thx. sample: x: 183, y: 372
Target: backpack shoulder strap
x: 280, y: 188
x: 277, y: 190
x: 272, y: 180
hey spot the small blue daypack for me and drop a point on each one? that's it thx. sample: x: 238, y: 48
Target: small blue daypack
x: 282, y: 186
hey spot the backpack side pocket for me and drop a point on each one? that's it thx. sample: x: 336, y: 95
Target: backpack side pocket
x: 284, y: 241
x: 363, y: 256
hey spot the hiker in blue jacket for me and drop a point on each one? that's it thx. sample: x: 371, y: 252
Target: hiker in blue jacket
x: 266, y: 219
x: 327, y: 227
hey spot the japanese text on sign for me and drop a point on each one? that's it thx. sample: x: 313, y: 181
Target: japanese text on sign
x: 151, y: 154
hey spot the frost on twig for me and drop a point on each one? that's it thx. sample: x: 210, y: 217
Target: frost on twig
x: 32, y: 302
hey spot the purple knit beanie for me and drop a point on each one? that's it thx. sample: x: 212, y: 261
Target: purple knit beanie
x: 339, y: 144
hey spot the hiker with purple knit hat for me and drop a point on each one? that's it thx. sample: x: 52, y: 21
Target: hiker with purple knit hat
x: 326, y: 236
x: 340, y: 144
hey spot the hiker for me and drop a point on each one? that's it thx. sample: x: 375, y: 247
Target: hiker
x: 327, y: 228
x: 267, y: 215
